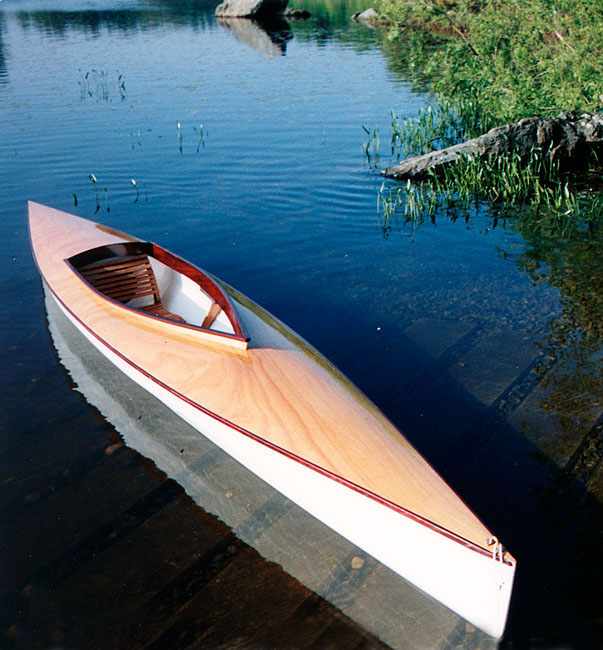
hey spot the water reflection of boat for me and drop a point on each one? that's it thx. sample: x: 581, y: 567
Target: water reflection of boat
x: 278, y: 408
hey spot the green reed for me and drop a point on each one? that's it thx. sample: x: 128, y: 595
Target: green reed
x: 136, y: 185
x: 92, y: 178
x: 94, y: 182
x: 201, y: 143
x: 372, y: 146
x: 412, y: 204
x: 439, y: 125
x: 535, y: 184
x: 98, y: 84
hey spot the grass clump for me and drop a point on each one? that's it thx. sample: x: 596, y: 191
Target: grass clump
x: 97, y: 83
x: 532, y: 191
x: 442, y: 124
x: 551, y: 196
x: 512, y: 59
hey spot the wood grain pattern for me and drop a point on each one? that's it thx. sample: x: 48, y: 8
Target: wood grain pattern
x: 279, y: 388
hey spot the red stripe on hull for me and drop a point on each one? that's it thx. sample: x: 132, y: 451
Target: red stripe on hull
x: 298, y: 459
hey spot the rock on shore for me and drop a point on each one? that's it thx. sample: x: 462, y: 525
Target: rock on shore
x: 250, y: 8
x: 567, y: 138
x: 368, y: 16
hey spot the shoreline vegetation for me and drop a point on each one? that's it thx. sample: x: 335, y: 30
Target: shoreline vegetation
x: 511, y: 59
x: 490, y: 63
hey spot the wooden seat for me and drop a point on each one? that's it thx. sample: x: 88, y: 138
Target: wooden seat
x: 126, y: 278
x: 157, y: 309
x: 212, y: 314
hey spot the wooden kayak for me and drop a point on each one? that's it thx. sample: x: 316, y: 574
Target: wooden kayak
x: 272, y: 402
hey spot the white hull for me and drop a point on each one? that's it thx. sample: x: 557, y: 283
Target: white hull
x: 467, y: 580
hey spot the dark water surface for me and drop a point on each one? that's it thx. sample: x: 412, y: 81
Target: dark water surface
x: 241, y: 150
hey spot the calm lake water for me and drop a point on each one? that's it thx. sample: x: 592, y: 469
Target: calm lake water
x: 241, y: 149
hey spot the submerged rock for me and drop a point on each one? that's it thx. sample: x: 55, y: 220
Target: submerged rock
x: 250, y: 8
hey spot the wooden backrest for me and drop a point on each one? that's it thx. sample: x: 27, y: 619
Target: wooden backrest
x: 123, y: 278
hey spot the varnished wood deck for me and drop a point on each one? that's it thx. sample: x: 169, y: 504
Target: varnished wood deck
x: 278, y: 389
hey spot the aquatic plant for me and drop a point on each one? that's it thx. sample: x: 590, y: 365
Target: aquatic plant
x: 133, y: 181
x: 551, y: 195
x: 388, y: 203
x: 414, y: 203
x: 97, y: 83
x: 94, y: 84
x: 441, y: 124
x: 371, y: 147
x: 92, y: 177
x: 94, y: 181
x: 135, y: 184
x: 510, y: 185
x: 102, y: 85
x: 106, y: 199
x: 201, y: 142
x: 134, y: 142
x: 121, y: 86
